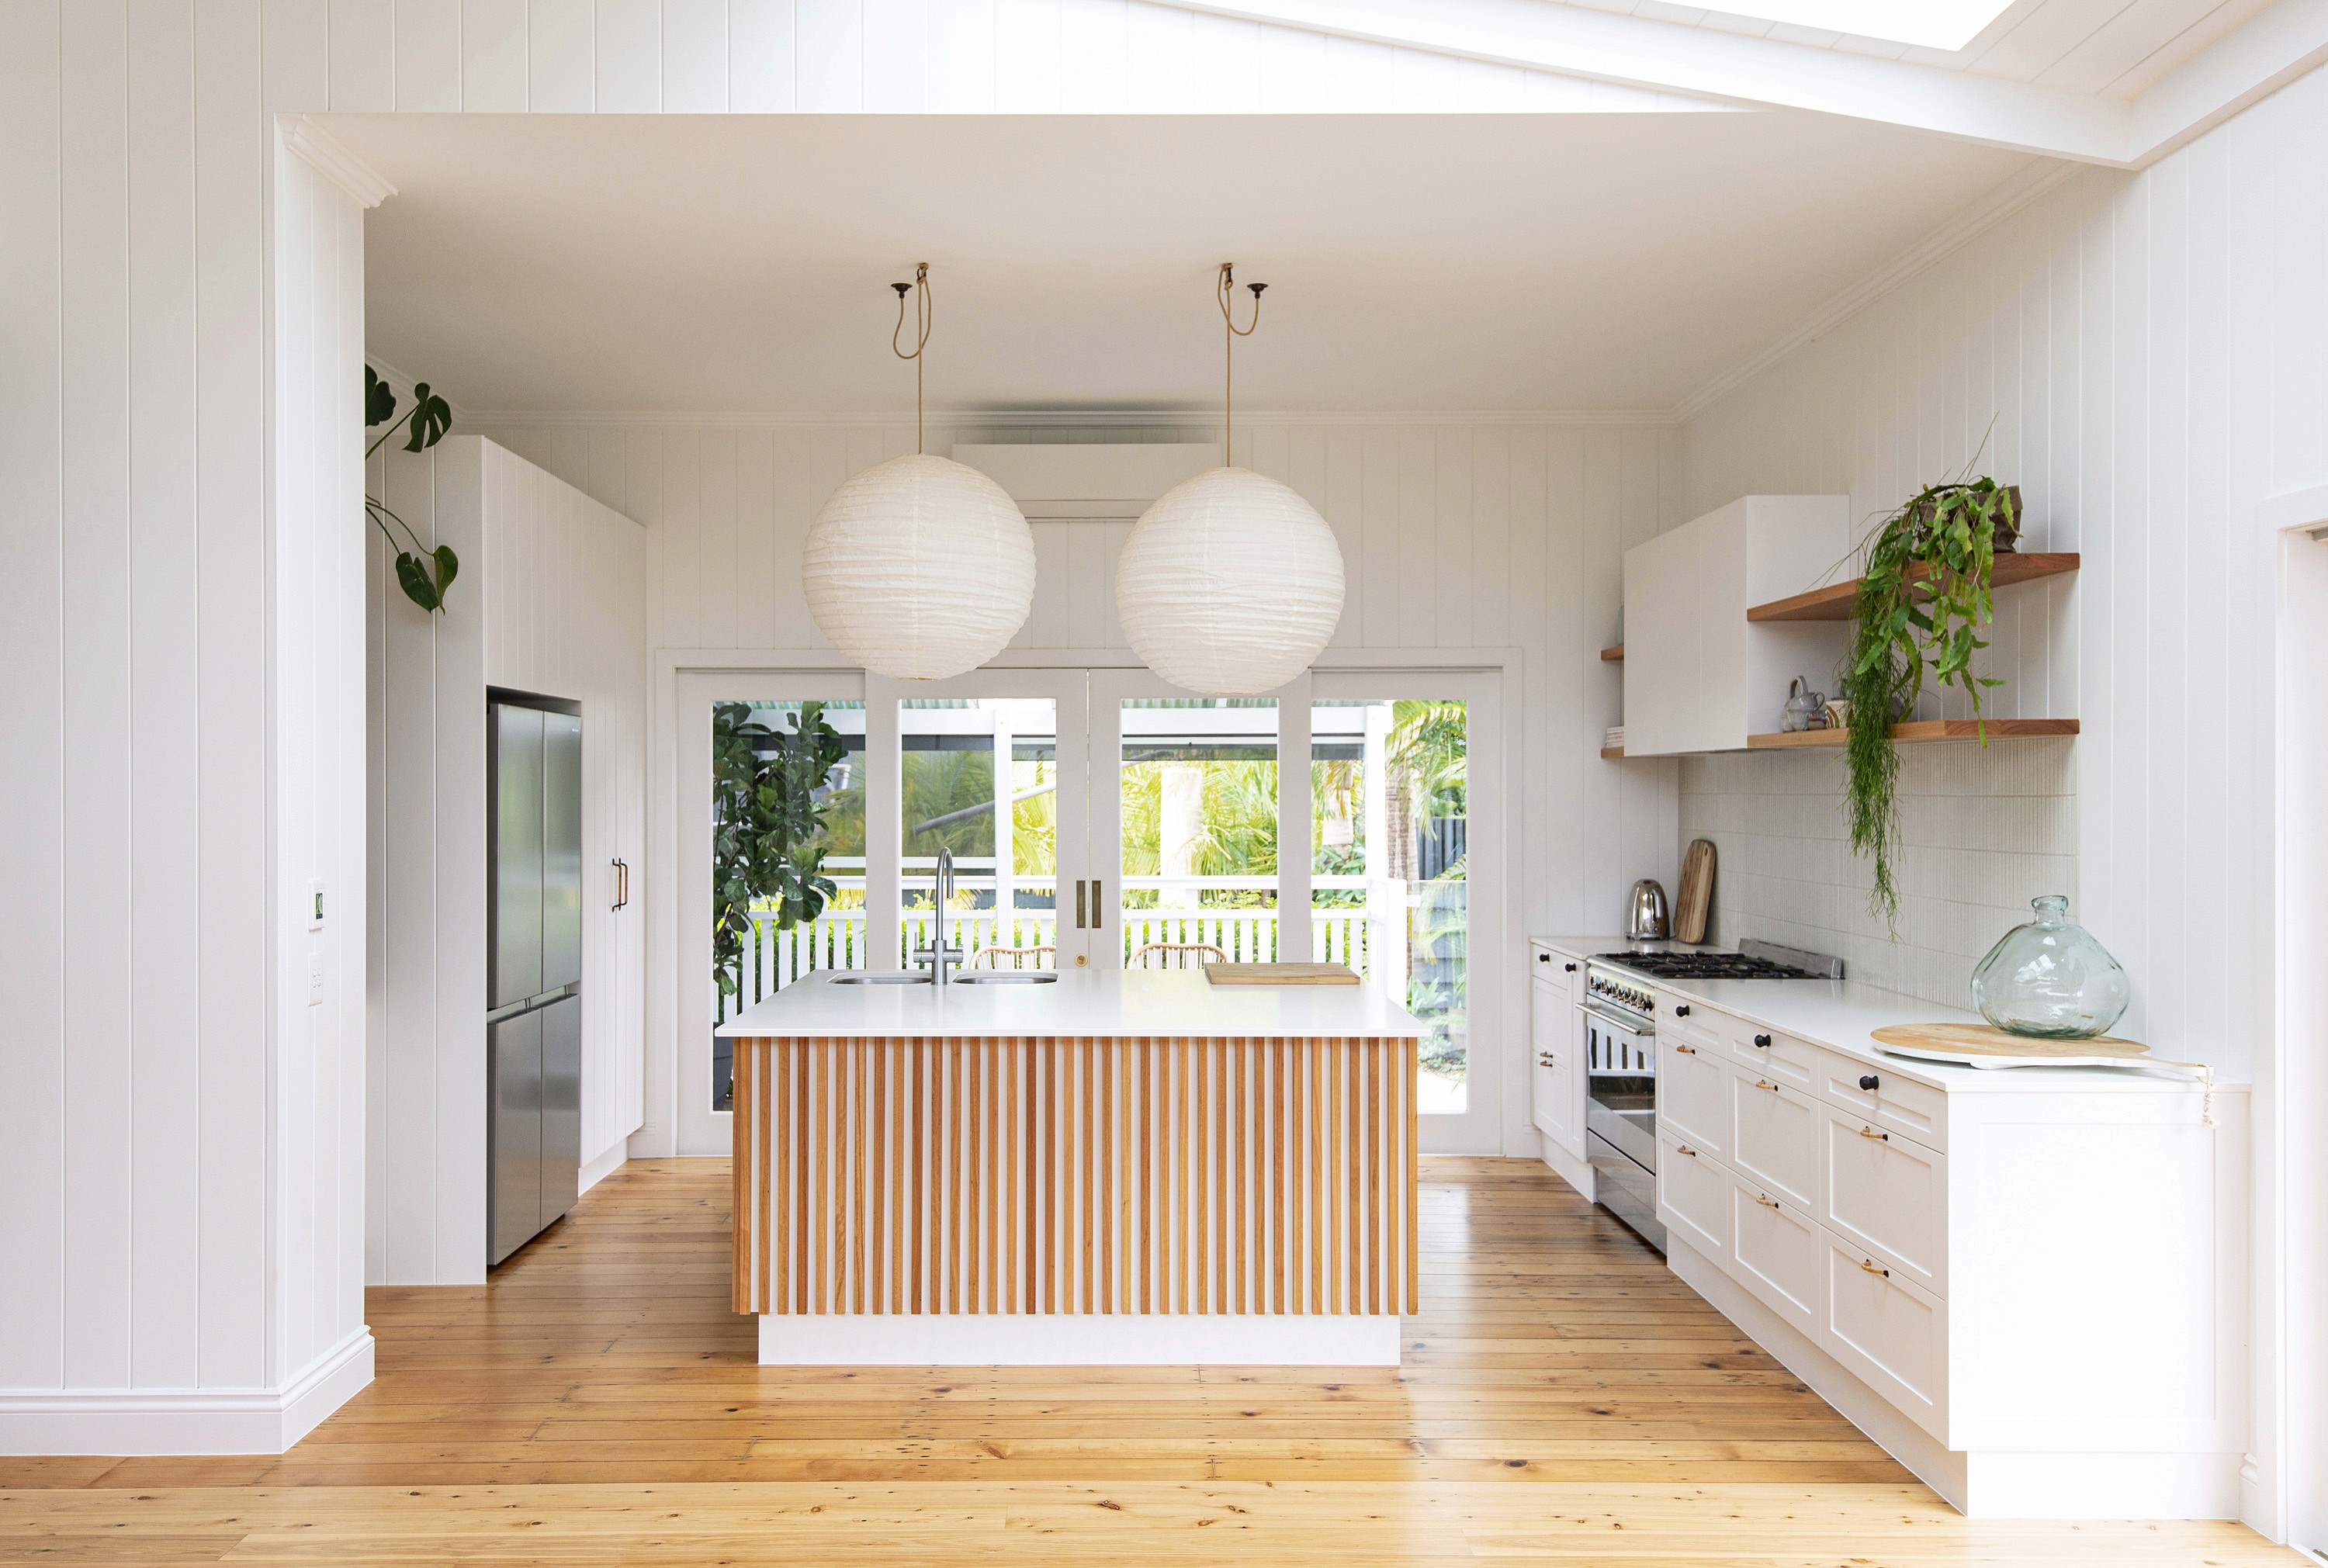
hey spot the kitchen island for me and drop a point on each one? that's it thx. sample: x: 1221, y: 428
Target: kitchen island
x: 1112, y: 1167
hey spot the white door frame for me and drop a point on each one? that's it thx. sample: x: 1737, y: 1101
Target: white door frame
x: 658, y: 1134
x: 1494, y: 1078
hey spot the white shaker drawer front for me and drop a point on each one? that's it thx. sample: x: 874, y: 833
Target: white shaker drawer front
x: 1693, y: 1095
x: 1891, y: 1331
x: 1777, y: 1254
x: 1892, y: 1103
x: 1693, y: 1195
x: 1781, y: 1059
x: 1889, y: 1195
x: 1774, y: 1138
x: 1693, y: 1022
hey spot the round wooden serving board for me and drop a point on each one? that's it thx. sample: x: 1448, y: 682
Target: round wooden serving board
x: 1979, y: 1045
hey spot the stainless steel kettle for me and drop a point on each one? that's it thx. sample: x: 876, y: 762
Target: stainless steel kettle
x: 1649, y: 917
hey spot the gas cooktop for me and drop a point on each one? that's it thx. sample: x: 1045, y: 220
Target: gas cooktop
x: 1753, y: 961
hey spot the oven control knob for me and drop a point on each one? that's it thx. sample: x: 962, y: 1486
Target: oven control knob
x: 1867, y: 1079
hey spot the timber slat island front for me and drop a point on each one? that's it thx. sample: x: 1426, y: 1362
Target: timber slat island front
x: 1132, y: 1168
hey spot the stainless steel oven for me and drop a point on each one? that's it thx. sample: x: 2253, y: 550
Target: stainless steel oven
x: 1620, y: 1108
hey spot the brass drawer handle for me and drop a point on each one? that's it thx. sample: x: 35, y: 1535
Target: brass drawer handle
x: 1685, y: 1050
x: 1546, y: 1059
x: 1765, y: 1202
x: 1685, y: 1149
x: 1868, y: 1266
x: 1765, y: 1083
x: 1871, y: 1132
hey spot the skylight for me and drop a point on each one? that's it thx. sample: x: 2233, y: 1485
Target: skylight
x: 1935, y: 24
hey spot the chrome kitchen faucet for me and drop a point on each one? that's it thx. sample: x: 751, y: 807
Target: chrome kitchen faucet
x: 939, y: 956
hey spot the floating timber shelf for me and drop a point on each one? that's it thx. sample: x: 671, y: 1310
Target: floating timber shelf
x: 1834, y: 602
x: 1613, y: 754
x: 1926, y: 729
x: 1615, y: 655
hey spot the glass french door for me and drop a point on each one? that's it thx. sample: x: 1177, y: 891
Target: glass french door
x: 1104, y: 818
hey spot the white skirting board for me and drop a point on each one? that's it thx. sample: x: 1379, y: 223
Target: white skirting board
x: 185, y: 1421
x: 601, y: 1166
x: 1048, y: 1339
x: 1984, y: 1484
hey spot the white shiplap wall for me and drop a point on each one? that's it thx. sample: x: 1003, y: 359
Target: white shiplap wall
x: 2147, y: 356
x: 1454, y: 536
x: 550, y: 600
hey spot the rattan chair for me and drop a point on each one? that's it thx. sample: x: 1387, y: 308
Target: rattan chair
x: 1177, y: 955
x: 990, y: 957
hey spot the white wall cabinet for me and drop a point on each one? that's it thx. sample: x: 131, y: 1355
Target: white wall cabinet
x: 1698, y: 676
x: 2029, y: 1286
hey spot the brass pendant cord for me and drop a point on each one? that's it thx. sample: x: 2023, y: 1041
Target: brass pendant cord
x: 923, y: 315
x: 1225, y: 290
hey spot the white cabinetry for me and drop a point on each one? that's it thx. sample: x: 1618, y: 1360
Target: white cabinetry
x: 1556, y: 1067
x: 2026, y: 1285
x: 1698, y: 676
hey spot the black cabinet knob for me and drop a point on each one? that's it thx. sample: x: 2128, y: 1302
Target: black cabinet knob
x: 1867, y: 1079
x: 1681, y: 1012
x: 1763, y: 1041
x: 1544, y: 958
x: 1568, y: 967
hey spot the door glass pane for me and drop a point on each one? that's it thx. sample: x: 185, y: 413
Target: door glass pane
x: 772, y: 918
x: 980, y: 779
x: 1198, y: 881
x: 1390, y: 840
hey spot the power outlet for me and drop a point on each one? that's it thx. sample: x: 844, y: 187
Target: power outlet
x: 314, y: 971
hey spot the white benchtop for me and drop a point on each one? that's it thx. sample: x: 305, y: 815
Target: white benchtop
x: 1095, y: 1003
x: 1843, y: 1015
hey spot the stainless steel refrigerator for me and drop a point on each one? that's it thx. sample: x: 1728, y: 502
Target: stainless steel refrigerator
x: 533, y: 1028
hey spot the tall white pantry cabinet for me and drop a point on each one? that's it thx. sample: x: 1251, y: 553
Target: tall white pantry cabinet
x: 549, y: 602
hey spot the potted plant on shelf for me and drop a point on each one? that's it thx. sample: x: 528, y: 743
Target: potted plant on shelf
x: 1923, y: 596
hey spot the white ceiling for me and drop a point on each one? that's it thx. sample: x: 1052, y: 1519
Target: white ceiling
x: 739, y: 263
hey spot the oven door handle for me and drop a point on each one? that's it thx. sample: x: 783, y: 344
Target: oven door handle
x: 1631, y: 1026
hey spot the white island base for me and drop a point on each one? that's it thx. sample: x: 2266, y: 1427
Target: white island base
x: 1038, y: 1340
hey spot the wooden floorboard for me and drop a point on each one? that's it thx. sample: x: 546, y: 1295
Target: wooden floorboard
x: 1564, y: 1398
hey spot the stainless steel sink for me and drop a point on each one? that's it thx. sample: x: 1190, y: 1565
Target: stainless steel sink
x: 1011, y: 977
x: 884, y: 978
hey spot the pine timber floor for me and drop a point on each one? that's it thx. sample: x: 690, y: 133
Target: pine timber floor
x: 1564, y: 1398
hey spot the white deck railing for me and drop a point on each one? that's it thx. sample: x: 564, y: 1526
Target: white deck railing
x: 1352, y: 935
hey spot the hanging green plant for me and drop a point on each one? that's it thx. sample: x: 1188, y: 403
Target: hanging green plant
x: 423, y: 573
x: 768, y: 794
x: 1923, y: 596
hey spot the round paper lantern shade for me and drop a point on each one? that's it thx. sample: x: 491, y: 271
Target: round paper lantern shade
x: 1230, y: 584
x: 920, y: 568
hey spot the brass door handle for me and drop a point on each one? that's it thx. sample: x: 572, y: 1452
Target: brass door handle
x: 1686, y: 1050
x: 1765, y: 1202
x: 1867, y: 1266
x: 1871, y: 1132
x: 1685, y: 1149
x: 1546, y: 1059
x: 1765, y: 1083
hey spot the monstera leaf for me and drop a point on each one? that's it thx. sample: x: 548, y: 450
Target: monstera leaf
x: 380, y: 403
x: 431, y: 417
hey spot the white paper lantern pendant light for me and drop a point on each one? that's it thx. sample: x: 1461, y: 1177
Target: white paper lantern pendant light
x: 1231, y: 583
x: 919, y: 568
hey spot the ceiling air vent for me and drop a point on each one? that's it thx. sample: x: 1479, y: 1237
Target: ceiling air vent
x: 1090, y: 483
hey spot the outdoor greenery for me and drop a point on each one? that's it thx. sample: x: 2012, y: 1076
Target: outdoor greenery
x: 1923, y: 596
x: 768, y: 804
x: 423, y: 573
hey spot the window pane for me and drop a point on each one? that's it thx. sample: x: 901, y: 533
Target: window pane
x: 1389, y: 789
x: 1198, y: 881
x: 979, y: 780
x: 773, y: 916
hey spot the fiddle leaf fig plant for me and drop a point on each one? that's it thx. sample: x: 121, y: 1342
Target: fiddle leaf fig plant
x: 1924, y: 587
x: 768, y: 792
x: 423, y: 573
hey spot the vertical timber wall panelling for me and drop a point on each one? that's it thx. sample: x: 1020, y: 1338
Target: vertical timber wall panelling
x: 1454, y: 535
x: 993, y: 1176
x: 550, y: 600
x: 2147, y: 355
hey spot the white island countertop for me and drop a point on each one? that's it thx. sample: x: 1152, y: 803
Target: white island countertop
x: 1843, y: 1015
x: 1089, y: 1003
